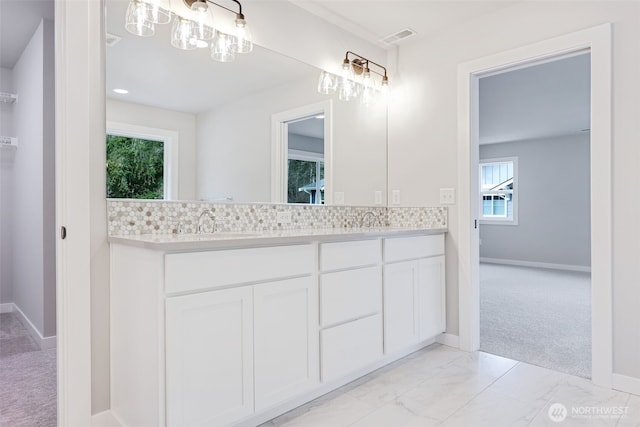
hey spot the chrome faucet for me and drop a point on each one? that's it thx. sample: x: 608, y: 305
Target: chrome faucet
x: 206, y: 213
x: 371, y: 219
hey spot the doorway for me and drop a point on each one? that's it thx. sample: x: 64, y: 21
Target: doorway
x: 534, y: 212
x: 28, y: 286
x: 301, y: 154
x: 598, y: 41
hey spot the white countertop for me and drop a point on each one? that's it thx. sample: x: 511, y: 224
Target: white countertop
x: 223, y: 240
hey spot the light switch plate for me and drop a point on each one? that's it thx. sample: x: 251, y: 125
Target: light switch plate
x: 338, y: 198
x: 395, y: 197
x: 283, y: 217
x: 447, y: 196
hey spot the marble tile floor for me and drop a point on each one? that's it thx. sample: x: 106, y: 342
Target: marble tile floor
x: 443, y: 386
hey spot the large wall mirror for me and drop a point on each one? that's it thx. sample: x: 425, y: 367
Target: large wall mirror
x: 220, y: 125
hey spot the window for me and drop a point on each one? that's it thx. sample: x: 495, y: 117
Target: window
x: 305, y: 181
x: 137, y: 145
x: 135, y: 168
x: 498, y: 190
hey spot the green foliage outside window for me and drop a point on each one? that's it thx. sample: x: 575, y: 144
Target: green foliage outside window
x: 135, y: 168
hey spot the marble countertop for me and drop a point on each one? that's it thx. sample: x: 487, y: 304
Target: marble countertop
x: 224, y: 240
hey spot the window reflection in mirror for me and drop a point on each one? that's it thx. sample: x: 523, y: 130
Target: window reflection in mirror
x: 135, y: 168
x: 305, y: 160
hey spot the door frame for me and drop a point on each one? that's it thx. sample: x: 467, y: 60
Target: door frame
x: 280, y: 147
x: 79, y: 135
x: 596, y: 40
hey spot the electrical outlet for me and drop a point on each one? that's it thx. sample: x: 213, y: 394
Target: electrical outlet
x: 338, y: 198
x: 395, y: 197
x: 447, y: 196
x: 283, y: 217
x: 377, y: 196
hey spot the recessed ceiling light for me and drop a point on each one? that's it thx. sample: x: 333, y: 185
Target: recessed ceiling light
x: 121, y: 91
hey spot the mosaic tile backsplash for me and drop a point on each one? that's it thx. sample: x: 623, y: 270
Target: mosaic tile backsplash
x: 132, y: 217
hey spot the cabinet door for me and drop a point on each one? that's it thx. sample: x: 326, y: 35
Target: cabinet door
x: 401, y: 321
x: 209, y: 366
x: 285, y: 339
x: 431, y: 295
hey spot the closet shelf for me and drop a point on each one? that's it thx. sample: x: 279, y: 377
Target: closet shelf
x: 8, y: 98
x: 8, y: 142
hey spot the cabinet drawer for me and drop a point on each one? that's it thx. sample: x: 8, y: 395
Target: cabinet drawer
x: 401, y: 248
x: 349, y: 347
x: 347, y: 295
x: 339, y: 255
x: 201, y: 270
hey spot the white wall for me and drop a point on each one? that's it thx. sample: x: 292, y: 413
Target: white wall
x: 234, y: 145
x: 423, y: 132
x: 33, y: 201
x: 182, y: 123
x: 553, y: 203
x: 6, y: 191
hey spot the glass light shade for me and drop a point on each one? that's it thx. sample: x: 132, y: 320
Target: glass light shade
x: 199, y: 7
x: 182, y: 34
x: 367, y: 81
x: 327, y: 83
x: 347, y: 90
x: 242, y: 38
x: 221, y: 48
x: 384, y: 90
x: 137, y: 20
x: 202, y: 32
x: 159, y: 11
x: 368, y: 96
x: 347, y: 87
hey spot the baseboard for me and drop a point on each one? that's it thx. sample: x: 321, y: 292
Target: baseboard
x: 626, y: 384
x: 519, y: 263
x: 43, y: 343
x: 6, y: 307
x: 449, y: 340
x: 105, y: 419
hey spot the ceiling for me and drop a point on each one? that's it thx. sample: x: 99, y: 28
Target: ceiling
x: 529, y: 103
x: 539, y: 101
x: 374, y: 20
x: 19, y: 19
x: 190, y: 80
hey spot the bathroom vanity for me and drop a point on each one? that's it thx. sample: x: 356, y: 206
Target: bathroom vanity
x: 235, y: 329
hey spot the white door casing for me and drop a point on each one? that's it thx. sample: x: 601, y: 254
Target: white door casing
x: 597, y: 41
x: 79, y: 86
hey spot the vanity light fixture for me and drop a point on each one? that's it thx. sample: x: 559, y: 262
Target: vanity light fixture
x: 355, y: 80
x: 193, y: 28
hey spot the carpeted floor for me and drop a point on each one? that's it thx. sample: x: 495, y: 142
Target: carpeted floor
x: 27, y: 378
x: 538, y: 316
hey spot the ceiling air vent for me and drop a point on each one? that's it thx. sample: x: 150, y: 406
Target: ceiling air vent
x: 111, y: 39
x: 400, y: 35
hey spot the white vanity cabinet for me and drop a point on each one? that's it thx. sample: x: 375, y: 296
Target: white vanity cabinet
x: 234, y: 334
x: 209, y: 357
x: 350, y: 306
x: 414, y: 286
x: 285, y: 339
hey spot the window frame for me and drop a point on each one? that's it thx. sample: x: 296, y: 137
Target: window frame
x: 168, y: 137
x: 498, y: 220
